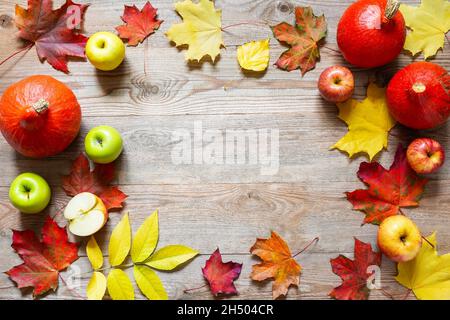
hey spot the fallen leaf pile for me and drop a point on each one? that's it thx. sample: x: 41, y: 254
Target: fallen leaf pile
x: 428, y: 23
x: 278, y: 264
x: 42, y: 259
x: 368, y: 123
x: 138, y: 24
x: 388, y: 190
x: 141, y: 247
x: 49, y: 30
x: 83, y: 179
x: 355, y: 273
x: 303, y: 38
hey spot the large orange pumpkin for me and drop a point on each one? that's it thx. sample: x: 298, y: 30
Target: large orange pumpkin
x: 39, y: 116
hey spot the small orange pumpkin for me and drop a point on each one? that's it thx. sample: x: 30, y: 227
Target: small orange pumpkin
x: 39, y: 116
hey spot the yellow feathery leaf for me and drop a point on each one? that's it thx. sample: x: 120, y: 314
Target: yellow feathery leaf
x: 428, y: 274
x: 120, y: 242
x: 428, y: 23
x: 201, y: 29
x: 119, y: 285
x: 96, y: 287
x: 368, y: 123
x: 145, y: 239
x: 254, y: 55
x: 94, y: 253
x: 170, y: 257
x: 149, y: 283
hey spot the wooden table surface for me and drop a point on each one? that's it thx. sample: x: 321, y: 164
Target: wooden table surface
x: 225, y: 206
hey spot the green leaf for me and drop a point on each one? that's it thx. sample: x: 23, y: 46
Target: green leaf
x: 120, y: 242
x: 94, y: 253
x: 96, y: 287
x: 119, y: 285
x: 170, y: 257
x: 145, y: 239
x: 149, y: 283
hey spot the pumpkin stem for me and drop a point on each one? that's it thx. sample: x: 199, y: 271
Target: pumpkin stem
x: 391, y: 10
x: 40, y: 106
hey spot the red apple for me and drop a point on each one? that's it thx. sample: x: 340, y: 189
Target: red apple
x: 399, y: 238
x: 425, y: 155
x: 336, y: 84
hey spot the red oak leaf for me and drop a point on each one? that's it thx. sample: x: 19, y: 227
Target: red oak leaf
x: 303, y: 38
x: 389, y: 190
x: 355, y: 273
x: 139, y: 24
x: 55, y: 33
x: 82, y: 179
x: 42, y: 259
x: 221, y: 275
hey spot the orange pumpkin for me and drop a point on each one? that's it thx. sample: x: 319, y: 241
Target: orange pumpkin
x: 39, y: 116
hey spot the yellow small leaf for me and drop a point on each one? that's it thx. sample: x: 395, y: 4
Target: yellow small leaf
x: 170, y: 257
x: 94, y: 253
x: 96, y: 287
x: 145, y: 239
x: 428, y: 23
x: 149, y: 283
x: 368, y: 123
x: 120, y: 242
x: 120, y: 286
x: 254, y: 55
x: 201, y: 29
x: 427, y: 275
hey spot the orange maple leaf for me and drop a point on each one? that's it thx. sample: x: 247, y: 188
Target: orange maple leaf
x: 277, y: 264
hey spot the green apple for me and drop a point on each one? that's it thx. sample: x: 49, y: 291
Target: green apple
x: 30, y: 193
x: 105, y: 50
x: 103, y: 144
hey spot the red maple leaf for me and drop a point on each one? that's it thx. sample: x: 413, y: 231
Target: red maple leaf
x: 139, y: 24
x: 221, y: 275
x: 82, y: 179
x: 389, y: 190
x: 354, y: 273
x: 303, y: 38
x: 42, y: 259
x: 55, y: 33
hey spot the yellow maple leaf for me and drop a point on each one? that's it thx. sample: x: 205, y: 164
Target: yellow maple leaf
x: 428, y: 23
x: 428, y: 275
x: 368, y: 123
x: 201, y: 29
x: 254, y: 55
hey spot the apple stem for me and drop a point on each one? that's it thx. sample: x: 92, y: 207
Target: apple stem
x: 391, y: 10
x: 75, y: 293
x: 426, y: 240
x: 26, y: 48
x: 193, y: 289
x: 316, y: 239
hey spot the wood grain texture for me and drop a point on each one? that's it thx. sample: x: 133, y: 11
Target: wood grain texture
x: 227, y: 206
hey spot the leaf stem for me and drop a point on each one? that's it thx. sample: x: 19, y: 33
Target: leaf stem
x: 387, y: 294
x: 245, y: 23
x: 307, y: 246
x: 73, y: 292
x: 426, y: 240
x: 193, y: 289
x: 145, y: 56
x: 407, y: 294
x: 26, y: 48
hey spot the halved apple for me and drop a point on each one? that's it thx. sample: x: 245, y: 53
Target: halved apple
x: 86, y: 214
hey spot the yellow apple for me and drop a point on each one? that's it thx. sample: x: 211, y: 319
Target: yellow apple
x: 399, y: 238
x: 86, y: 214
x: 105, y: 50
